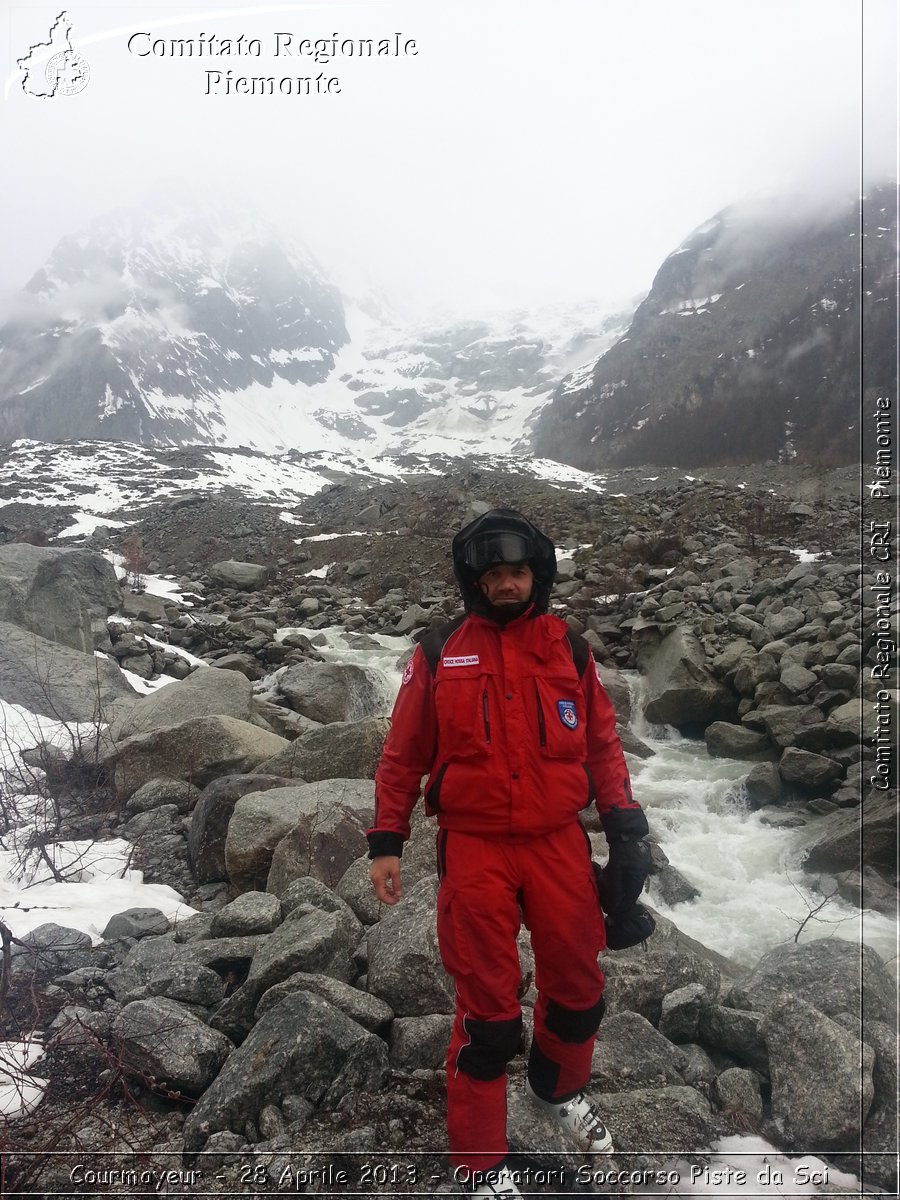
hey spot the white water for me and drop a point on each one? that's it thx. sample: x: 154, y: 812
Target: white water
x: 753, y: 891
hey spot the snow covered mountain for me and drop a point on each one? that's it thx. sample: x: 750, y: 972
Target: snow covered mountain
x: 748, y: 347
x: 186, y: 325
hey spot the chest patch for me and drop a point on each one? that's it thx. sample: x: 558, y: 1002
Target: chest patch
x: 461, y: 660
x: 568, y: 714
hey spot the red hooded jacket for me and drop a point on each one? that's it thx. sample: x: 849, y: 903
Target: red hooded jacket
x: 513, y: 742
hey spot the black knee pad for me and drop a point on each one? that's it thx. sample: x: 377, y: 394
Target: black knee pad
x: 574, y: 1024
x: 491, y: 1045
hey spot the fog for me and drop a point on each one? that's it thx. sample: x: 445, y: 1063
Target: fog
x: 520, y: 153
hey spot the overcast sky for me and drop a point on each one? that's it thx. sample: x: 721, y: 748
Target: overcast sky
x: 531, y: 151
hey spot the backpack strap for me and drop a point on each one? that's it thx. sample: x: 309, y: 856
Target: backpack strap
x: 434, y: 641
x: 581, y: 651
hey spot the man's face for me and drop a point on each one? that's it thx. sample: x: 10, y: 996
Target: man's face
x: 507, y: 583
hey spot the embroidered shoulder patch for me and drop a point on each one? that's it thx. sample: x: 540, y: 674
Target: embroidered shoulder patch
x: 407, y: 672
x: 568, y: 714
x: 461, y: 660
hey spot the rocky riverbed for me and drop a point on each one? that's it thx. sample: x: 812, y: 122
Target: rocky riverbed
x: 290, y: 1023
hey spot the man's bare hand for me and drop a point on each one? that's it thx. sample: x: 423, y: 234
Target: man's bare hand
x: 385, y: 876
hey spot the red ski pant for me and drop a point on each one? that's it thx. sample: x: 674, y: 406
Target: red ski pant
x: 487, y: 888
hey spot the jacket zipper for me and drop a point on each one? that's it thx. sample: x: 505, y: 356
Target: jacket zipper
x: 485, y: 712
x: 542, y: 728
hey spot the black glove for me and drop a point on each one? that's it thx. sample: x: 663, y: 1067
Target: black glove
x: 628, y: 928
x: 622, y: 880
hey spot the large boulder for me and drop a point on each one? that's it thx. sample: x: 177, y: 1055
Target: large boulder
x: 54, y: 680
x: 630, y: 1053
x: 303, y: 1045
x: 328, y: 834
x: 329, y: 818
x: 58, y: 594
x: 682, y: 691
x: 327, y: 692
x: 822, y: 1086
x: 725, y: 740
x: 869, y: 831
x: 673, y: 1120
x: 405, y: 968
x: 830, y: 974
x: 197, y: 751
x: 161, y: 1038
x: 808, y: 770
x: 243, y: 576
x: 206, y: 692
x: 340, y: 750
x: 212, y: 813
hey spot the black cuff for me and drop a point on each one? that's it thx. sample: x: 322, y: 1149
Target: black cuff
x: 624, y: 823
x: 383, y: 843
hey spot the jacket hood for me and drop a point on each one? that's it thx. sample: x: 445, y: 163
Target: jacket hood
x: 541, y: 559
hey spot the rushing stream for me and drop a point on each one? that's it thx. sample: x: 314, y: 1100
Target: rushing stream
x: 753, y: 890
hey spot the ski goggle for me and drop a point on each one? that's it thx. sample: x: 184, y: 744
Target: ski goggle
x: 488, y: 549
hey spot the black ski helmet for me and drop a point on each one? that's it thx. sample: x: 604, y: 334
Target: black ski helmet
x: 503, y: 536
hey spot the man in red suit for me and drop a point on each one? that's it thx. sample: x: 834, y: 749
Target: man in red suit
x: 503, y: 710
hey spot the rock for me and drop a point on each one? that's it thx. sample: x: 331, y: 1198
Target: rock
x: 763, y: 785
x: 752, y: 671
x: 797, y: 679
x: 318, y: 937
x: 143, y: 606
x: 867, y: 889
x: 832, y: 975
x: 680, y: 1013
x: 330, y: 817
x: 252, y: 912
x: 673, y: 1120
x: 365, y: 1010
x: 736, y: 1031
x: 243, y: 576
x: 196, y: 751
x: 682, y: 690
x: 136, y: 923
x: 868, y: 832
x: 616, y: 687
x: 405, y: 968
x: 807, y: 770
x: 724, y: 740
x: 245, y: 664
x: 339, y: 750
x: 206, y: 692
x: 700, y: 1070
x: 50, y: 950
x: 303, y: 1038
x: 210, y: 818
x: 188, y: 983
x: 328, y: 692
x: 157, y: 792
x: 629, y: 1053
x: 418, y: 1042
x: 328, y: 833
x: 414, y: 617
x: 784, y: 723
x: 822, y: 1086
x: 782, y: 623
x: 162, y: 1039
x: 738, y: 1093
x: 849, y: 722
x: 55, y: 680
x: 57, y: 594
